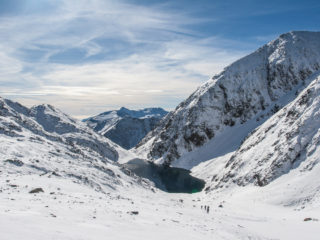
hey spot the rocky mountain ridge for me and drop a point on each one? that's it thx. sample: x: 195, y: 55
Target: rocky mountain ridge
x: 251, y: 89
x: 286, y: 142
x: 44, y: 141
x: 126, y: 127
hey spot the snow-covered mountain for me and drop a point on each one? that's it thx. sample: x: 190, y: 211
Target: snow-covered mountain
x: 219, y: 114
x: 126, y: 127
x: 54, y: 188
x: 44, y: 141
x: 252, y: 133
x: 288, y: 141
x: 278, y: 162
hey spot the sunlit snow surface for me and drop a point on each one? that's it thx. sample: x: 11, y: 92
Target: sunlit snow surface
x: 68, y: 210
x: 88, y: 194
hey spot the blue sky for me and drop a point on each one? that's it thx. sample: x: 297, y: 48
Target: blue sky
x: 89, y: 56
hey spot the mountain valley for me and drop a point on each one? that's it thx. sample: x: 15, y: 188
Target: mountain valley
x: 238, y: 159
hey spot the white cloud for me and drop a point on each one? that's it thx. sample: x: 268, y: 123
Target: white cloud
x: 163, y: 60
x: 9, y: 66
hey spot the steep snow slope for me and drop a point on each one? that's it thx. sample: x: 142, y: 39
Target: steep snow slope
x: 249, y: 90
x: 278, y: 163
x: 288, y: 142
x: 44, y: 141
x: 126, y: 127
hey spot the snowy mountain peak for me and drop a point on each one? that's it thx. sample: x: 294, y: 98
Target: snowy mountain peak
x: 49, y: 109
x: 282, y: 151
x: 50, y: 124
x: 53, y: 119
x: 124, y: 126
x: 251, y: 89
x: 143, y: 113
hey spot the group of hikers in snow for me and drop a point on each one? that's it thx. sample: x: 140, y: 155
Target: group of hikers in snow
x: 206, y: 208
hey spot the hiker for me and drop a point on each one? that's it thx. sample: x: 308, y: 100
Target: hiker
x: 208, y: 209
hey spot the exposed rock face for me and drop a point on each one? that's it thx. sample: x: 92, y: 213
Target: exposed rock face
x: 126, y: 127
x: 254, y: 87
x: 288, y: 140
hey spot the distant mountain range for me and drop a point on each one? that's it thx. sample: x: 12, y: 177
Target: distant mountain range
x: 126, y: 127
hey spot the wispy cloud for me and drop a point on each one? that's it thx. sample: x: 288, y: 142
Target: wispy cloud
x: 86, y: 56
